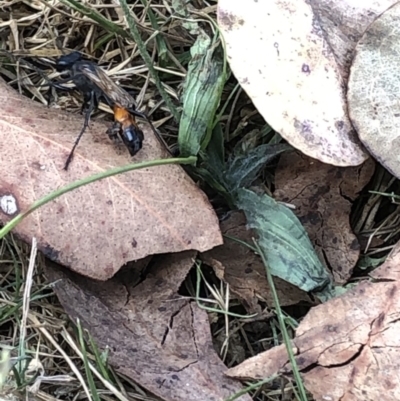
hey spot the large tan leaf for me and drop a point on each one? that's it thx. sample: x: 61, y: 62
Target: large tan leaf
x: 374, y: 88
x: 97, y: 228
x: 279, y: 54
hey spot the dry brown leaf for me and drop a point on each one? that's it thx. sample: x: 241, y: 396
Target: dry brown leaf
x: 322, y: 195
x: 244, y: 271
x: 344, y: 22
x: 156, y: 337
x: 279, y: 55
x: 97, y: 228
x: 374, y: 87
x: 348, y: 349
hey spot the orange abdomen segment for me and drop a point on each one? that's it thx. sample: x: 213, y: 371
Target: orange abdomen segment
x: 124, y: 117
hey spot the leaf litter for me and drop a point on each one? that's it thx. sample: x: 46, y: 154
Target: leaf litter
x: 294, y: 81
x: 347, y: 348
x: 240, y: 177
x: 156, y: 337
x: 323, y: 196
x: 243, y: 270
x: 344, y: 22
x: 374, y: 88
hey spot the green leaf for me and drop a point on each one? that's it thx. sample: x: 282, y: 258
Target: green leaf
x: 180, y: 8
x: 284, y: 241
x: 243, y: 169
x: 240, y: 170
x: 366, y: 262
x: 215, y: 149
x: 202, y: 94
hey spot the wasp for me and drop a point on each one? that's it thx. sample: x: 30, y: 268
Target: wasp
x: 95, y: 85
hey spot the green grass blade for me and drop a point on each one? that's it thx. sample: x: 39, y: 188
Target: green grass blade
x: 97, y: 17
x: 288, y: 344
x: 253, y: 386
x: 89, y: 375
x: 162, y: 49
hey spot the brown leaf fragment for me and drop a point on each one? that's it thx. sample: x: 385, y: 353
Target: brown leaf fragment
x: 261, y: 366
x: 390, y: 270
x: 323, y: 196
x: 95, y: 229
x: 156, y: 337
x: 349, y: 347
x: 244, y: 271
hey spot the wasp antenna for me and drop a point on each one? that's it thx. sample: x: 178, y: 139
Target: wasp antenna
x: 160, y: 138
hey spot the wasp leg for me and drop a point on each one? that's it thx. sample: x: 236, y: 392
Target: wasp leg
x: 93, y: 104
x: 86, y: 102
x: 136, y: 113
x: 57, y: 85
x: 113, y: 131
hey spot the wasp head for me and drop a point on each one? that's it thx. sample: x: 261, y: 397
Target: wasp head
x: 67, y: 61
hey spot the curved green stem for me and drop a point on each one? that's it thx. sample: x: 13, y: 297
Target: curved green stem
x: 96, y: 177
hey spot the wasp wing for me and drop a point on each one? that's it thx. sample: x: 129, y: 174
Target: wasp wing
x: 114, y: 94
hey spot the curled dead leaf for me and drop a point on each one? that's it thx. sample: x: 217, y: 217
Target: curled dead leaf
x: 97, y: 228
x: 278, y: 52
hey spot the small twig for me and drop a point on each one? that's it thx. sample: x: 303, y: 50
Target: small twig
x: 26, y: 300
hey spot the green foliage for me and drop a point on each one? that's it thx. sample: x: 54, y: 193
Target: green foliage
x: 285, y: 243
x: 203, y: 87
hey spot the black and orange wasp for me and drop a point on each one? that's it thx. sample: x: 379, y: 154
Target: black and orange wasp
x: 95, y: 85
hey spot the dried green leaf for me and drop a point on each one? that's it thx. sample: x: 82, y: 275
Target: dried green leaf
x: 202, y: 93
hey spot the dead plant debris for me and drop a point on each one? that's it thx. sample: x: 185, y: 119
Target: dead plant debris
x: 178, y: 325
